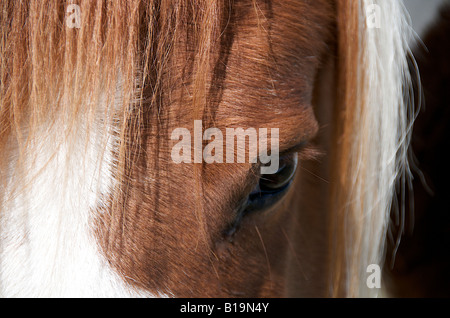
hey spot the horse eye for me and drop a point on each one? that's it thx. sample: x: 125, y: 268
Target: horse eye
x: 270, y: 190
x: 283, y: 177
x: 272, y: 187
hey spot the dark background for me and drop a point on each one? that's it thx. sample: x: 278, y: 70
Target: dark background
x: 421, y: 266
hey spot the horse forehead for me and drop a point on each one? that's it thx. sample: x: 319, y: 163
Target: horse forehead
x: 261, y: 76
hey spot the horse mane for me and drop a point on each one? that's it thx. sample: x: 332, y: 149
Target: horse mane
x: 70, y: 79
x: 372, y: 137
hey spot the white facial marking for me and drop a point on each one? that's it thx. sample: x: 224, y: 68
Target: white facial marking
x: 47, y: 245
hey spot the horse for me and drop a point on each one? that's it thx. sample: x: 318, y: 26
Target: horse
x: 94, y: 205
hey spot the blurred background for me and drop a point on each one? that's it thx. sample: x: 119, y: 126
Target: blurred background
x: 423, y: 12
x: 420, y: 265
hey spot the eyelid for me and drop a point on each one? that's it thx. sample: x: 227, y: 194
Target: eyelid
x: 306, y: 151
x: 301, y: 146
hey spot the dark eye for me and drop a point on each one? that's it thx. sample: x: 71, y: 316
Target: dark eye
x: 272, y: 187
x: 270, y: 190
